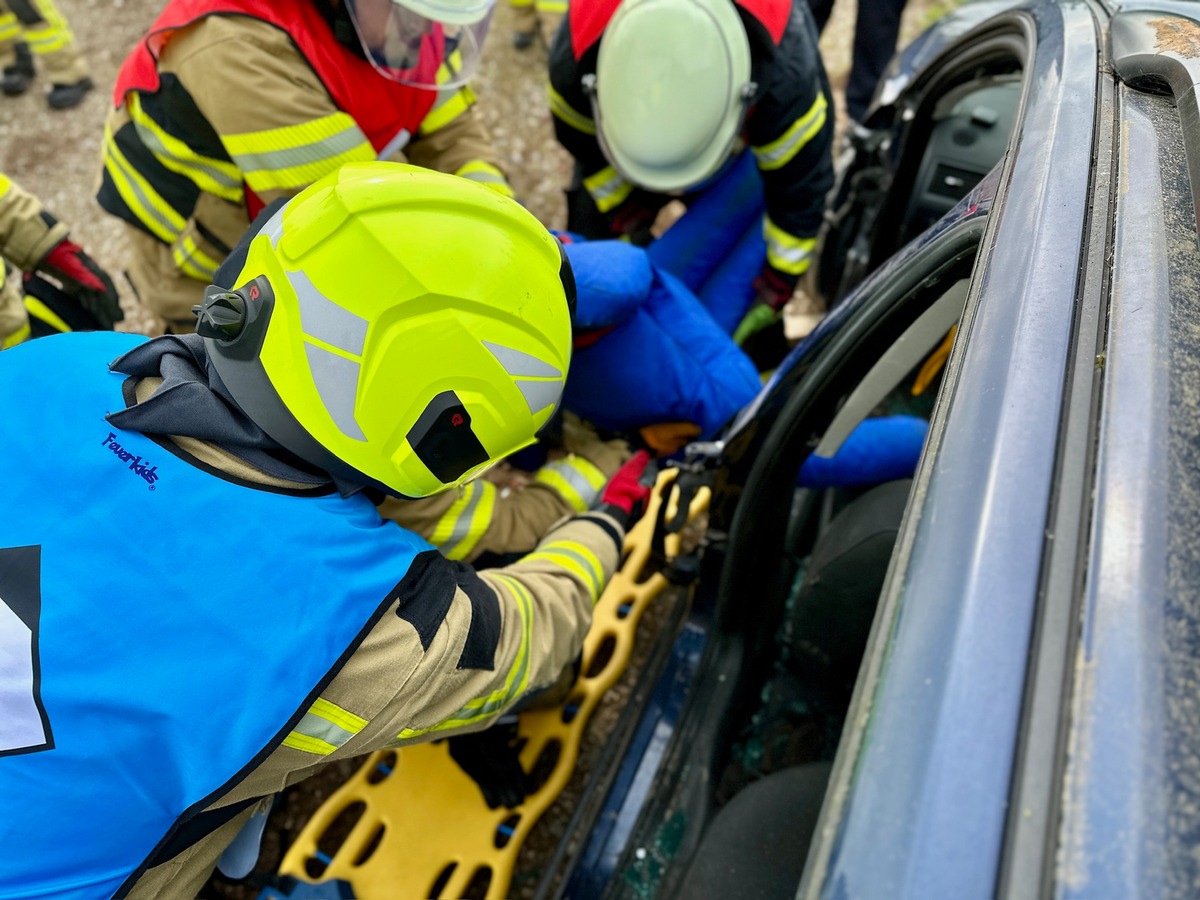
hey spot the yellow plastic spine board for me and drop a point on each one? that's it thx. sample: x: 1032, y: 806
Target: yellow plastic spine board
x: 411, y: 823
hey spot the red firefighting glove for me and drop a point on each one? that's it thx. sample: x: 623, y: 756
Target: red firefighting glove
x: 83, y: 280
x: 772, y: 291
x: 627, y: 492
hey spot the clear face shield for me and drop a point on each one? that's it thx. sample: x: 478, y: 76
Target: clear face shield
x: 432, y: 44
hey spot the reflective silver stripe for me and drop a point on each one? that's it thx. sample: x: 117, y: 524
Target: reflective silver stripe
x: 462, y: 523
x: 520, y: 364
x: 145, y: 203
x: 152, y: 140
x: 484, y: 177
x: 577, y: 481
x: 325, y: 320
x: 793, y: 256
x: 336, y: 380
x: 289, y: 157
x: 322, y: 729
x: 538, y: 394
x: 189, y: 254
x: 604, y: 189
x: 780, y: 152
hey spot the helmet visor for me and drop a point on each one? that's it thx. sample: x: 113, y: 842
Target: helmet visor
x: 433, y: 44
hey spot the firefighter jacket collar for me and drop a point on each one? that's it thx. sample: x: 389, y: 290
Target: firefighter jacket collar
x: 193, y: 402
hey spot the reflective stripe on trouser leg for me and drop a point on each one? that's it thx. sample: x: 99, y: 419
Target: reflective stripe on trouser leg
x: 52, y: 40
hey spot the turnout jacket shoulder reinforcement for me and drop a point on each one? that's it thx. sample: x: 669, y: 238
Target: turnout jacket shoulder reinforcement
x: 226, y: 105
x: 789, y: 127
x: 166, y: 691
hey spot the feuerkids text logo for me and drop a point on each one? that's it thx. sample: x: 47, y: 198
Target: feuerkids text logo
x: 136, y: 463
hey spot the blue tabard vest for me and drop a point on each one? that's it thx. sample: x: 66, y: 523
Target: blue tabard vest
x: 162, y: 628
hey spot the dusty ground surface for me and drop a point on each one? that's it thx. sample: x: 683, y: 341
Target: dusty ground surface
x: 57, y: 156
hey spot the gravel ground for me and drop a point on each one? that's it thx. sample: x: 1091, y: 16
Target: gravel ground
x: 56, y: 155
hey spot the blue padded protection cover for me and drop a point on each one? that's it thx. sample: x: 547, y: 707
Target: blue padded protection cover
x: 878, y: 450
x: 715, y: 222
x: 729, y: 290
x: 666, y: 361
x: 612, y: 281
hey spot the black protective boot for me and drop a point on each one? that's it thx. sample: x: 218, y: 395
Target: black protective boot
x: 15, y: 79
x: 523, y: 40
x: 64, y: 96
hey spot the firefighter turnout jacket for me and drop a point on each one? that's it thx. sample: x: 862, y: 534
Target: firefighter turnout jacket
x: 226, y: 105
x: 789, y: 126
x: 27, y: 234
x: 194, y: 635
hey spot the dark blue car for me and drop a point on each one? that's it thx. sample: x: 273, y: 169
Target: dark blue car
x: 982, y: 680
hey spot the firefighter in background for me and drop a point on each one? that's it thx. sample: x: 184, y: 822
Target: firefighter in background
x: 536, y: 18
x: 226, y: 105
x: 210, y: 607
x: 35, y: 242
x: 654, y: 98
x: 36, y: 25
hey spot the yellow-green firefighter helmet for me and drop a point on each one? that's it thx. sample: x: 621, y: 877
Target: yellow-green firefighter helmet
x: 397, y: 327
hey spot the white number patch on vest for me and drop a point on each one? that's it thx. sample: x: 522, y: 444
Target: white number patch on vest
x: 24, y: 727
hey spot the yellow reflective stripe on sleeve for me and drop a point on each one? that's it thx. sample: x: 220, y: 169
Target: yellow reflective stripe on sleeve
x: 560, y: 108
x: 151, y: 209
x: 450, y: 104
x: 17, y: 336
x: 576, y: 479
x: 324, y: 728
x: 607, y: 188
x: 193, y: 261
x: 786, y: 252
x: 552, y: 6
x: 575, y: 558
x: 5, y: 184
x: 486, y: 174
x: 40, y: 310
x: 295, y: 156
x: 466, y: 521
x: 515, y: 682
x: 9, y: 28
x: 216, y: 176
x: 780, y: 151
